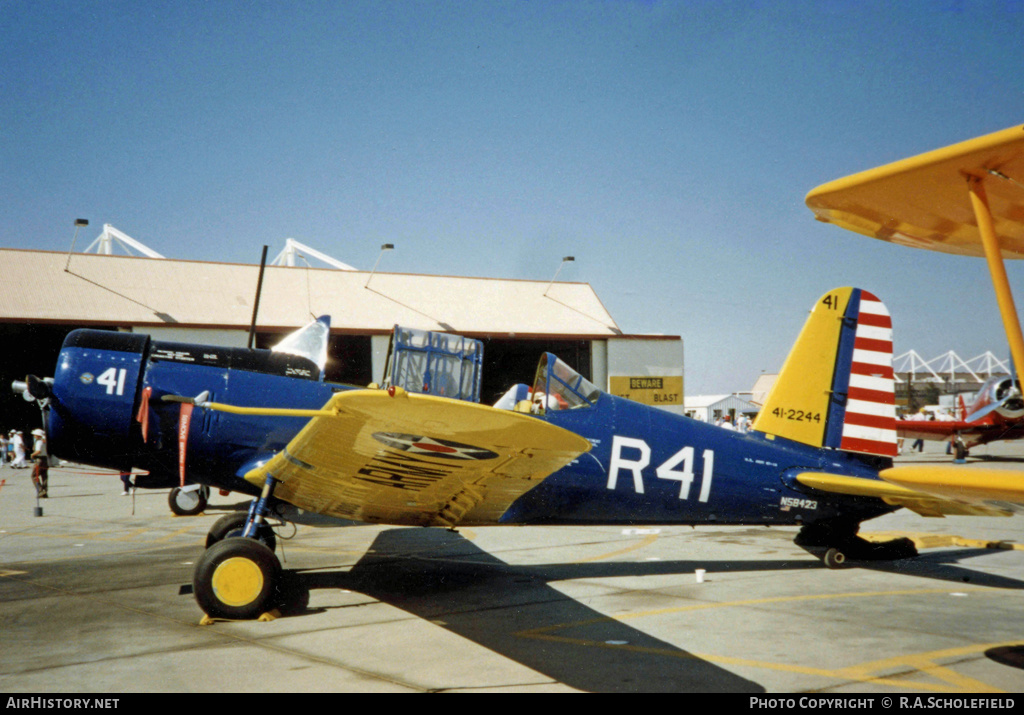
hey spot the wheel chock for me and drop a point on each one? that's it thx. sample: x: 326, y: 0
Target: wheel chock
x: 267, y: 617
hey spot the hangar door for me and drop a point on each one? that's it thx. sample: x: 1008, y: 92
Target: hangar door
x: 508, y: 362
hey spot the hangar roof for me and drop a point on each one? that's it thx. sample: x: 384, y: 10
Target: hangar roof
x: 128, y: 290
x: 725, y: 401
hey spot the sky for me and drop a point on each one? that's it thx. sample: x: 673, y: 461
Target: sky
x: 667, y: 146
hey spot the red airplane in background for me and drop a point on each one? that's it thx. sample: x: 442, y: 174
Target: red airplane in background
x: 996, y: 413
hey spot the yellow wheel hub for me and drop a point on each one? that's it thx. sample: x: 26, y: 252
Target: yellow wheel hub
x: 237, y: 581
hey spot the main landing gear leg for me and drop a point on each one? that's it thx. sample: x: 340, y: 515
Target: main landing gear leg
x: 960, y: 450
x: 231, y: 525
x: 238, y: 576
x: 841, y: 544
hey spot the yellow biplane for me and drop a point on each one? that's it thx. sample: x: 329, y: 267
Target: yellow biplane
x: 965, y: 199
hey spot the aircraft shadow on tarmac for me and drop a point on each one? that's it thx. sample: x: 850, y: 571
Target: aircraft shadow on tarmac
x: 944, y: 566
x: 997, y: 458
x: 440, y: 577
x: 1012, y: 656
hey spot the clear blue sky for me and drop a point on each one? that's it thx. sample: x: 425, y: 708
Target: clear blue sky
x: 668, y: 146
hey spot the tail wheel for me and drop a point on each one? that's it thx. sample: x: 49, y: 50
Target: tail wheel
x: 188, y: 502
x: 233, y: 525
x: 236, y: 578
x: 834, y: 559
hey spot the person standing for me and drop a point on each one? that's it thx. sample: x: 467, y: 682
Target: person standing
x: 41, y: 471
x: 19, y: 450
x: 742, y: 422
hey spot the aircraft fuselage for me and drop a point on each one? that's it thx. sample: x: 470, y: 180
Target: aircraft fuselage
x: 645, y: 466
x: 653, y: 466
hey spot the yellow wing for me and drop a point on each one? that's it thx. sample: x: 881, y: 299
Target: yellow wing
x: 920, y: 501
x: 416, y: 459
x: 922, y: 201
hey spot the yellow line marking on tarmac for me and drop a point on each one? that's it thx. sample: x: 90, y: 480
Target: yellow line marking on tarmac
x: 130, y: 535
x: 183, y: 530
x: 104, y: 535
x: 870, y: 672
x: 79, y: 557
x: 611, y: 554
x: 254, y: 642
x: 926, y: 663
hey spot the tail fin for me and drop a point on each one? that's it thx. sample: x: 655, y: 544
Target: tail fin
x: 837, y: 388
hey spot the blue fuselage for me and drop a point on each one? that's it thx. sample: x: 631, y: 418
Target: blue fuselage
x: 651, y: 466
x: 646, y: 465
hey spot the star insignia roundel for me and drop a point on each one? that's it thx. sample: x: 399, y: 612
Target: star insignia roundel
x: 432, y: 447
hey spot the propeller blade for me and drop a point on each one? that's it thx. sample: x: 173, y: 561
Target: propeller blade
x: 33, y: 388
x: 987, y: 409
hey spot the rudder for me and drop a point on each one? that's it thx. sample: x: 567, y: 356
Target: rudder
x: 836, y: 388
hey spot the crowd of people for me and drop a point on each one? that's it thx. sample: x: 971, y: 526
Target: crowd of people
x: 742, y: 423
x: 13, y: 454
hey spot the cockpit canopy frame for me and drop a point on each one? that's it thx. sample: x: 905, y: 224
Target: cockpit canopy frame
x: 558, y: 387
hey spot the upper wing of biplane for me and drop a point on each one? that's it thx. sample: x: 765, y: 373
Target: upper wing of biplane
x: 401, y: 458
x: 967, y: 198
x: 923, y: 201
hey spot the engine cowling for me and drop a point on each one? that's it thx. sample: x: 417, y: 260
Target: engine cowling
x: 1007, y: 394
x: 95, y: 387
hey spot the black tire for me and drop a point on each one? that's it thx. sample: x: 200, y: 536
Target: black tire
x: 232, y: 525
x: 237, y: 579
x: 188, y: 503
x: 834, y: 559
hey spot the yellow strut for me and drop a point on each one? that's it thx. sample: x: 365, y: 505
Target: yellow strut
x: 267, y: 411
x: 996, y: 267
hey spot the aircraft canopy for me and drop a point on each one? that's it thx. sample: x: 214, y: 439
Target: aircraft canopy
x: 558, y: 387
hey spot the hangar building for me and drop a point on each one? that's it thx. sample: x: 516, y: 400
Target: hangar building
x: 44, y: 295
x: 711, y: 408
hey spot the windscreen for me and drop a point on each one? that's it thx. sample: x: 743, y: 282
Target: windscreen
x: 559, y: 387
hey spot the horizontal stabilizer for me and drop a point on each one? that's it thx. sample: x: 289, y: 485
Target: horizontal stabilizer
x: 916, y: 500
x: 999, y: 488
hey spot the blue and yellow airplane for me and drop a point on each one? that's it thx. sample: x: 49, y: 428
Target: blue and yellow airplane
x: 266, y: 423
